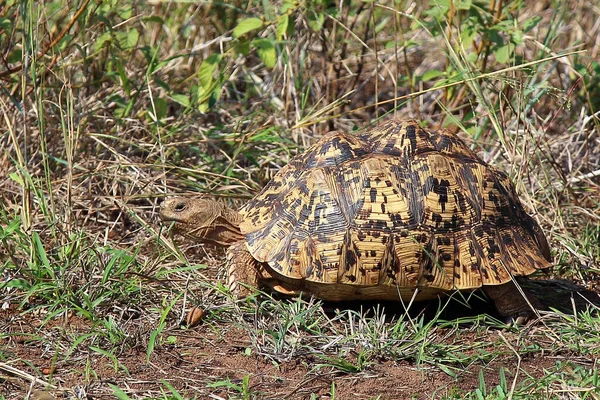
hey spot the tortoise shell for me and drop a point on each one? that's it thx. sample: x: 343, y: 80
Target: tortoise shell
x: 396, y: 206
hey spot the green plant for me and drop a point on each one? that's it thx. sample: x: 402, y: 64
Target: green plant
x: 241, y: 391
x: 108, y: 106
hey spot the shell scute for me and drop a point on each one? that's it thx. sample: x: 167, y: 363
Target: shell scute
x: 395, y: 206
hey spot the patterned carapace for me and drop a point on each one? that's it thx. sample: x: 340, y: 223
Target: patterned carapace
x: 395, y: 206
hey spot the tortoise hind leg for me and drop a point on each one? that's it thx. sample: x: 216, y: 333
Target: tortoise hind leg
x: 511, y: 302
x: 243, y: 270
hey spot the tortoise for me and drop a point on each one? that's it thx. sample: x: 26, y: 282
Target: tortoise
x: 396, y: 212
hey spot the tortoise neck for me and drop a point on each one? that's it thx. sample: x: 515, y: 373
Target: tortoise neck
x: 225, y: 229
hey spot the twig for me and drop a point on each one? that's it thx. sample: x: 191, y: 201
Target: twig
x: 22, y: 374
x: 57, y: 39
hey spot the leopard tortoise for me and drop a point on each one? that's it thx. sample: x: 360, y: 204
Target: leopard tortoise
x: 393, y: 212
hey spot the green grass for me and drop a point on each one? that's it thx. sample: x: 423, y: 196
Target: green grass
x: 107, y: 107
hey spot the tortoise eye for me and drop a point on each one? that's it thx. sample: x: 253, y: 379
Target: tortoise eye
x: 180, y: 207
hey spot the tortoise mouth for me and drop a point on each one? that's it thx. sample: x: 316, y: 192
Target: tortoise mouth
x: 168, y: 217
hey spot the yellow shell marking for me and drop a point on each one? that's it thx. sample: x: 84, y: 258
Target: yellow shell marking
x: 393, y: 206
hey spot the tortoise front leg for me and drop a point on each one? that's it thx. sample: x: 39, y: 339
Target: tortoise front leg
x: 243, y: 270
x: 511, y: 303
x: 245, y: 274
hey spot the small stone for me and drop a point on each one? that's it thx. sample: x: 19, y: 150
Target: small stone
x: 194, y: 317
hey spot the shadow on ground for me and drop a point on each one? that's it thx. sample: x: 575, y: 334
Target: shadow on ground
x: 556, y: 294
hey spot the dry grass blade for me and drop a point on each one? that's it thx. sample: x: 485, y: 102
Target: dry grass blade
x: 15, y: 372
x: 109, y: 107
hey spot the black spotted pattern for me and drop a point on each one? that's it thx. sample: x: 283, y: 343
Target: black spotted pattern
x: 395, y: 206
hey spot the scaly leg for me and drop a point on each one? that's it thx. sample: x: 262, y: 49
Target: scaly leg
x: 510, y: 302
x: 243, y: 270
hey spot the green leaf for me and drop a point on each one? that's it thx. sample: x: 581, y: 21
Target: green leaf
x: 432, y: 74
x: 382, y: 25
x: 503, y: 383
x: 447, y: 370
x: 242, y: 47
x: 15, y: 56
x: 118, y: 393
x: 132, y: 38
x: 282, y: 26
x: 171, y: 339
x: 266, y: 51
x: 151, y: 343
x: 203, y: 107
x: 154, y: 18
x: 287, y: 5
x: 175, y: 394
x: 482, y: 387
x: 182, y: 99
x: 108, y: 355
x: 41, y: 252
x: 316, y: 21
x: 464, y: 4
x: 224, y: 383
x: 10, y: 228
x: 160, y: 106
x: 16, y: 283
x: 495, y: 37
x: 437, y: 8
x: 530, y: 23
x: 504, y: 26
x: 467, y: 35
x: 104, y: 39
x: 17, y: 178
x: 125, y: 12
x: 247, y: 25
x: 127, y: 40
x: 291, y: 30
x: 472, y: 57
x: 517, y: 37
x: 207, y: 70
x: 160, y: 83
x: 504, y: 53
x: 5, y: 24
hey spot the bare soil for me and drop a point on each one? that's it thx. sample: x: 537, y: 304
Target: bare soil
x: 202, y: 355
x: 212, y: 360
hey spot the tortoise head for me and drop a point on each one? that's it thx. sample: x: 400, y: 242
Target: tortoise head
x: 202, y: 220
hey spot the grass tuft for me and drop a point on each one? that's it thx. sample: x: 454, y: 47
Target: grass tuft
x: 107, y: 107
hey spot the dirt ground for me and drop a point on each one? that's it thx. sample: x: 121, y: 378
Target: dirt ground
x: 202, y: 355
x: 211, y: 360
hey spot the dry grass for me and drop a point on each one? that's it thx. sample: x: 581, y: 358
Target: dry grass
x: 106, y: 108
